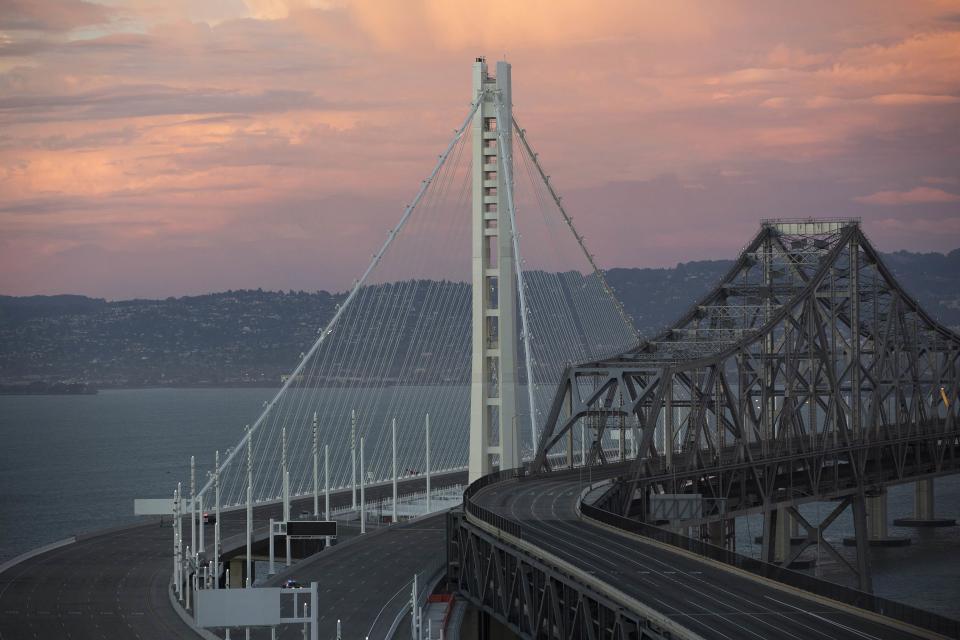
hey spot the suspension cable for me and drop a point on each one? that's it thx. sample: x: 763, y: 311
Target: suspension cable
x: 353, y: 292
x: 556, y: 198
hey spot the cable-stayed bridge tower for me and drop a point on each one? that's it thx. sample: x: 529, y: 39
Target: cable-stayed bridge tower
x: 474, y: 347
x: 493, y: 383
x: 432, y: 363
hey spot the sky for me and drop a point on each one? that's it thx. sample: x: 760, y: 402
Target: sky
x: 153, y: 148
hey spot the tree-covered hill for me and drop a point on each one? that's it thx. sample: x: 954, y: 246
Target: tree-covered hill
x: 253, y: 337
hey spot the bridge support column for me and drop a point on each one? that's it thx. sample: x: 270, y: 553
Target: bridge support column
x: 876, y: 507
x: 781, y: 542
x: 923, y: 509
x: 776, y: 535
x: 859, y: 505
x: 784, y: 536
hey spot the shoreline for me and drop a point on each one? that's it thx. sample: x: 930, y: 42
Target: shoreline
x: 7, y: 391
x: 94, y: 389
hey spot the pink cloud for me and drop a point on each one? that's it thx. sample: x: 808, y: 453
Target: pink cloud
x: 902, y: 99
x: 917, y: 195
x: 51, y: 15
x: 186, y: 133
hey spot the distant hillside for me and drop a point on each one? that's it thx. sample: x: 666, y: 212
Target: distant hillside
x: 253, y: 337
x: 230, y: 338
x: 656, y: 297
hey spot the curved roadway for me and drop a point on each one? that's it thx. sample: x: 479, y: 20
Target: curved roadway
x: 702, y: 597
x: 114, y: 584
x: 107, y: 586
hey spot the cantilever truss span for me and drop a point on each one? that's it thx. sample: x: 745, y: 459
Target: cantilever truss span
x: 807, y: 373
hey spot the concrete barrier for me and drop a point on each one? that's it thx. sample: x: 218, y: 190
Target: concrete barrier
x: 23, y: 557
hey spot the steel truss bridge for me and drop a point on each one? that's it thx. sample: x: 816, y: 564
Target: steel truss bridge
x: 807, y: 374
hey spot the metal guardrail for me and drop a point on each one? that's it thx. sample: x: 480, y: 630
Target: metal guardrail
x: 506, y: 525
x: 427, y: 580
x: 853, y: 597
x: 889, y: 608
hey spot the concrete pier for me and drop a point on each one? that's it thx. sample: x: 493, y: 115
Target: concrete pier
x: 923, y: 509
x: 877, y: 525
x: 781, y: 543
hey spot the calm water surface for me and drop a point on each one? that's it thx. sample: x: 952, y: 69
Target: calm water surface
x: 925, y: 574
x: 71, y: 464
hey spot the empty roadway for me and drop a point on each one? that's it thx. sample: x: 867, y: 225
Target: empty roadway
x: 706, y: 599
x: 114, y: 585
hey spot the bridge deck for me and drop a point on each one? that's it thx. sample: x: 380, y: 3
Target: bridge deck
x: 708, y: 600
x: 108, y: 586
x: 366, y: 582
x: 114, y: 584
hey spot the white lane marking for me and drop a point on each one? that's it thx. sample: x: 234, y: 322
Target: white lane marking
x: 723, y: 617
x: 694, y: 577
x: 680, y: 613
x: 536, y: 496
x: 862, y: 634
x: 721, y: 602
x: 672, y: 579
x: 379, y: 613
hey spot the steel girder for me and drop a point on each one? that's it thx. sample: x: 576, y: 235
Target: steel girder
x: 807, y: 372
x: 531, y: 597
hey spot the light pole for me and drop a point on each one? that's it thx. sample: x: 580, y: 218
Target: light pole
x: 286, y: 488
x: 393, y: 429
x: 201, y: 548
x: 216, y: 524
x: 363, y: 495
x: 249, y: 508
x: 427, y: 446
x: 316, y: 484
x: 326, y: 485
x: 176, y: 545
x: 353, y: 459
x: 193, y: 504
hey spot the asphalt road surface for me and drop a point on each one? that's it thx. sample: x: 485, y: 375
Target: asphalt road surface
x: 707, y: 600
x: 114, y: 585
x: 109, y: 586
x: 366, y: 582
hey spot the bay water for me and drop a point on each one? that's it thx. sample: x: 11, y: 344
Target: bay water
x: 74, y: 464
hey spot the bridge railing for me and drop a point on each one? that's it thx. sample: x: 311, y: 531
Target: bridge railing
x: 505, y: 524
x: 883, y: 606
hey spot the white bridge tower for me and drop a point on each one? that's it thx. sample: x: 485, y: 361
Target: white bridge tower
x: 493, y: 390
